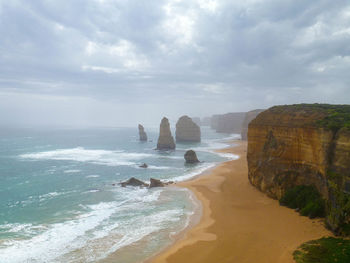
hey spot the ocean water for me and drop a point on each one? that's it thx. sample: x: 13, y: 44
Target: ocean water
x: 58, y: 202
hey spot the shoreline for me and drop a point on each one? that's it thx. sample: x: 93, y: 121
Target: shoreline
x: 195, y: 219
x: 238, y: 222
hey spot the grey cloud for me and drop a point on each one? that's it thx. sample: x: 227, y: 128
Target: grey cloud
x: 174, y: 56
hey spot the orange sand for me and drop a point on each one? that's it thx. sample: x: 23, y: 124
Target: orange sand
x: 239, y: 223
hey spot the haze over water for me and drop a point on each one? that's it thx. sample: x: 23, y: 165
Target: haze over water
x: 58, y: 202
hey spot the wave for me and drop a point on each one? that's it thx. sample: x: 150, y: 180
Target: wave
x: 92, y: 176
x: 71, y: 171
x: 80, y: 154
x: 193, y: 173
x: 103, y: 228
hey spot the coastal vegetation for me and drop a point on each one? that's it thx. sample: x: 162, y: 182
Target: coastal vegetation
x: 306, y: 199
x: 334, y: 117
x: 324, y: 250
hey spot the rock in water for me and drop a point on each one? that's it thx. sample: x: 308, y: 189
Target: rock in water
x: 155, y: 183
x: 191, y: 157
x: 165, y: 140
x: 133, y: 182
x: 144, y: 165
x: 187, y: 130
x: 142, y: 133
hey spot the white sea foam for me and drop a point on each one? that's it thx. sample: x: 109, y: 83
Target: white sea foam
x: 92, y: 176
x: 62, y: 237
x: 200, y: 169
x: 92, y: 230
x: 16, y: 227
x: 154, y: 167
x: 215, y: 144
x: 50, y: 195
x: 80, y: 154
x: 72, y: 171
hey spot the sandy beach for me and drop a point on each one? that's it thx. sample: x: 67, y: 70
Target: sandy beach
x: 239, y: 224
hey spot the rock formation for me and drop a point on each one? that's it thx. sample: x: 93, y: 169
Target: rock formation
x: 228, y: 123
x: 165, y: 140
x: 187, y: 130
x: 305, y: 144
x: 249, y: 116
x: 191, y: 157
x: 133, y: 182
x: 144, y: 165
x: 156, y: 183
x: 142, y: 133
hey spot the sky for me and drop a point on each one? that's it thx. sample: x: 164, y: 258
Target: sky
x: 120, y: 63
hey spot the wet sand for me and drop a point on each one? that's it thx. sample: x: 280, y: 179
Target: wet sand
x: 239, y: 224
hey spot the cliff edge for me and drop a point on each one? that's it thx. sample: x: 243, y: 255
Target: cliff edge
x: 304, y: 144
x: 249, y: 116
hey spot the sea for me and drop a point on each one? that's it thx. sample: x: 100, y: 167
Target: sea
x: 60, y: 198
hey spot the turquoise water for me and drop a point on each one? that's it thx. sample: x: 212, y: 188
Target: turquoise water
x: 58, y: 202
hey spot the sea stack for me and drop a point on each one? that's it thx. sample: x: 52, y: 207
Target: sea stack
x: 187, y: 130
x: 165, y: 140
x: 142, y: 133
x: 191, y: 157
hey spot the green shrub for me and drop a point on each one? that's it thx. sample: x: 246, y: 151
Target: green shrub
x: 306, y: 198
x: 324, y: 250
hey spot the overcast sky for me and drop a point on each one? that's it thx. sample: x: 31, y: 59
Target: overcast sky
x: 121, y: 62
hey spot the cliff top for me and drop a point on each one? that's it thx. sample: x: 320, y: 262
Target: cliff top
x: 333, y: 117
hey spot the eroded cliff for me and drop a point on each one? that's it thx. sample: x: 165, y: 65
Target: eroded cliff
x: 306, y: 144
x: 249, y: 116
x: 228, y: 123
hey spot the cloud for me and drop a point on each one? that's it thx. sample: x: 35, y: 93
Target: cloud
x: 231, y: 55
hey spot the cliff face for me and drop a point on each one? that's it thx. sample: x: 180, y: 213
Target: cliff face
x: 287, y: 146
x: 142, y: 133
x: 187, y: 130
x: 249, y: 116
x: 165, y: 140
x: 228, y: 123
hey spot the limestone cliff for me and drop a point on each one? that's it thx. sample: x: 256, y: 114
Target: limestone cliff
x: 249, y: 116
x: 187, y: 130
x: 165, y: 140
x: 142, y: 133
x: 306, y: 144
x: 228, y: 123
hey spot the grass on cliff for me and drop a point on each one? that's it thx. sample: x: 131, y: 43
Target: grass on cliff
x: 337, y: 116
x: 306, y: 199
x: 324, y: 250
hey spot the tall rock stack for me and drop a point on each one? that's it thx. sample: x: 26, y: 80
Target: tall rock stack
x: 142, y: 133
x: 165, y: 140
x: 187, y: 130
